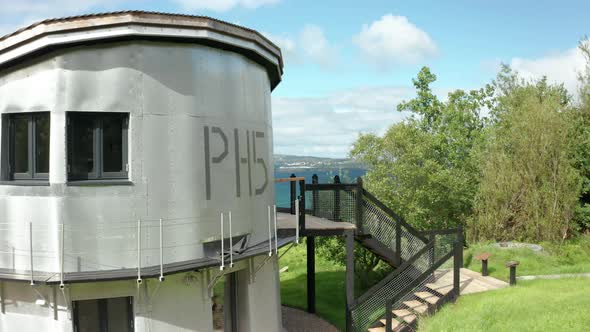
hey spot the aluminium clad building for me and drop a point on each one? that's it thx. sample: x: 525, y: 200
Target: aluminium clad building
x: 136, y: 173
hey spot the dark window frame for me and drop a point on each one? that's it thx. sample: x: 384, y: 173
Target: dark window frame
x: 32, y: 174
x: 103, y: 313
x: 98, y: 173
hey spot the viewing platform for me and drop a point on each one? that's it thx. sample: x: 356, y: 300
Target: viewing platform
x: 314, y: 226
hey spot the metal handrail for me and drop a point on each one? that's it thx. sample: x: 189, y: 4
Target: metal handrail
x: 395, y: 216
x: 401, y: 227
x: 455, y: 252
x: 291, y: 179
x: 408, y: 263
x: 410, y: 287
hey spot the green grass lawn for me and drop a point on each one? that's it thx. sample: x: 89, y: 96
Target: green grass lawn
x: 571, y: 257
x: 330, y: 290
x: 538, y: 305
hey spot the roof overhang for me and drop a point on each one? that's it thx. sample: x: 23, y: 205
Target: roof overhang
x: 49, y: 35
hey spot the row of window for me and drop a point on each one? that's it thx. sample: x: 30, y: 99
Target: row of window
x: 96, y: 145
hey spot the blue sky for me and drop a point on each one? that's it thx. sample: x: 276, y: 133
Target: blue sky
x: 347, y: 64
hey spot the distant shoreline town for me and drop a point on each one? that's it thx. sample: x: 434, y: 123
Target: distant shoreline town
x: 293, y: 163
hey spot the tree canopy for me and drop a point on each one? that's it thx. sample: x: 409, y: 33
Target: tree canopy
x: 425, y: 167
x: 511, y: 160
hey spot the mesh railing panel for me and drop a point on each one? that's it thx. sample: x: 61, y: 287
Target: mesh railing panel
x: 340, y: 204
x: 332, y: 204
x: 443, y: 244
x: 382, y: 226
x: 378, y: 224
x: 372, y: 309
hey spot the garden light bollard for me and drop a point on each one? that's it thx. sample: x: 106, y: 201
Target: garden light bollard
x: 512, y: 265
x: 484, y: 257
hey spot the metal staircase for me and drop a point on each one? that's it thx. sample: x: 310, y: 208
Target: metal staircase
x: 395, y: 302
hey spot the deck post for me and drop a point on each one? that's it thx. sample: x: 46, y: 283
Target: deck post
x: 398, y: 242
x: 457, y: 262
x: 359, y: 203
x: 462, y: 244
x: 311, y: 274
x: 336, y: 212
x: 293, y: 194
x: 315, y: 199
x: 388, y: 316
x: 432, y: 254
x: 302, y: 206
x: 349, y: 277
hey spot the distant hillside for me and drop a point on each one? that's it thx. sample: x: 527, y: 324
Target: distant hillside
x: 289, y: 162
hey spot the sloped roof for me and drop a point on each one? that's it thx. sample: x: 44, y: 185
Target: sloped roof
x: 55, y: 33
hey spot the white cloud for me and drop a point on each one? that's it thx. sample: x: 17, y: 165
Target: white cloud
x: 316, y: 46
x: 20, y: 13
x: 394, y: 40
x: 309, y: 46
x: 223, y: 5
x: 328, y: 125
x: 561, y: 67
x: 287, y: 45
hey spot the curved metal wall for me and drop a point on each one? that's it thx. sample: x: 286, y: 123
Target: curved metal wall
x: 179, y: 97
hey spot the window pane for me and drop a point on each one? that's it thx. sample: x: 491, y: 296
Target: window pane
x: 82, y: 145
x: 88, y: 316
x: 112, y: 145
x: 118, y: 314
x: 21, y: 144
x: 42, y: 143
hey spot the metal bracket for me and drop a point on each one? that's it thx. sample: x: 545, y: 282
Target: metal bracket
x: 203, y: 280
x: 251, y: 269
x: 286, y: 250
x: 40, y: 296
x: 150, y: 297
x: 266, y: 259
x: 212, y: 281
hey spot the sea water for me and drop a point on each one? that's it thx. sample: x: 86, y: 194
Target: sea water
x: 282, y: 190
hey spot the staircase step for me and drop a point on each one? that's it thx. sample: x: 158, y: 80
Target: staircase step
x: 377, y: 329
x: 417, y: 306
x: 428, y: 297
x: 394, y: 324
x: 405, y: 314
x: 441, y: 289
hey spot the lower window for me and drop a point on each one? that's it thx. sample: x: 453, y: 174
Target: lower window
x: 104, y: 315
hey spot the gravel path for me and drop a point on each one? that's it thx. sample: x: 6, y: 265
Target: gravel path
x: 296, y: 320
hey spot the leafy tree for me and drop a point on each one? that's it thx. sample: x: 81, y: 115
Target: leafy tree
x: 580, y: 117
x: 529, y: 187
x: 425, y: 167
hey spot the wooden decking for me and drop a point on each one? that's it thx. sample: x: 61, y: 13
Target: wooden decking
x: 313, y: 225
